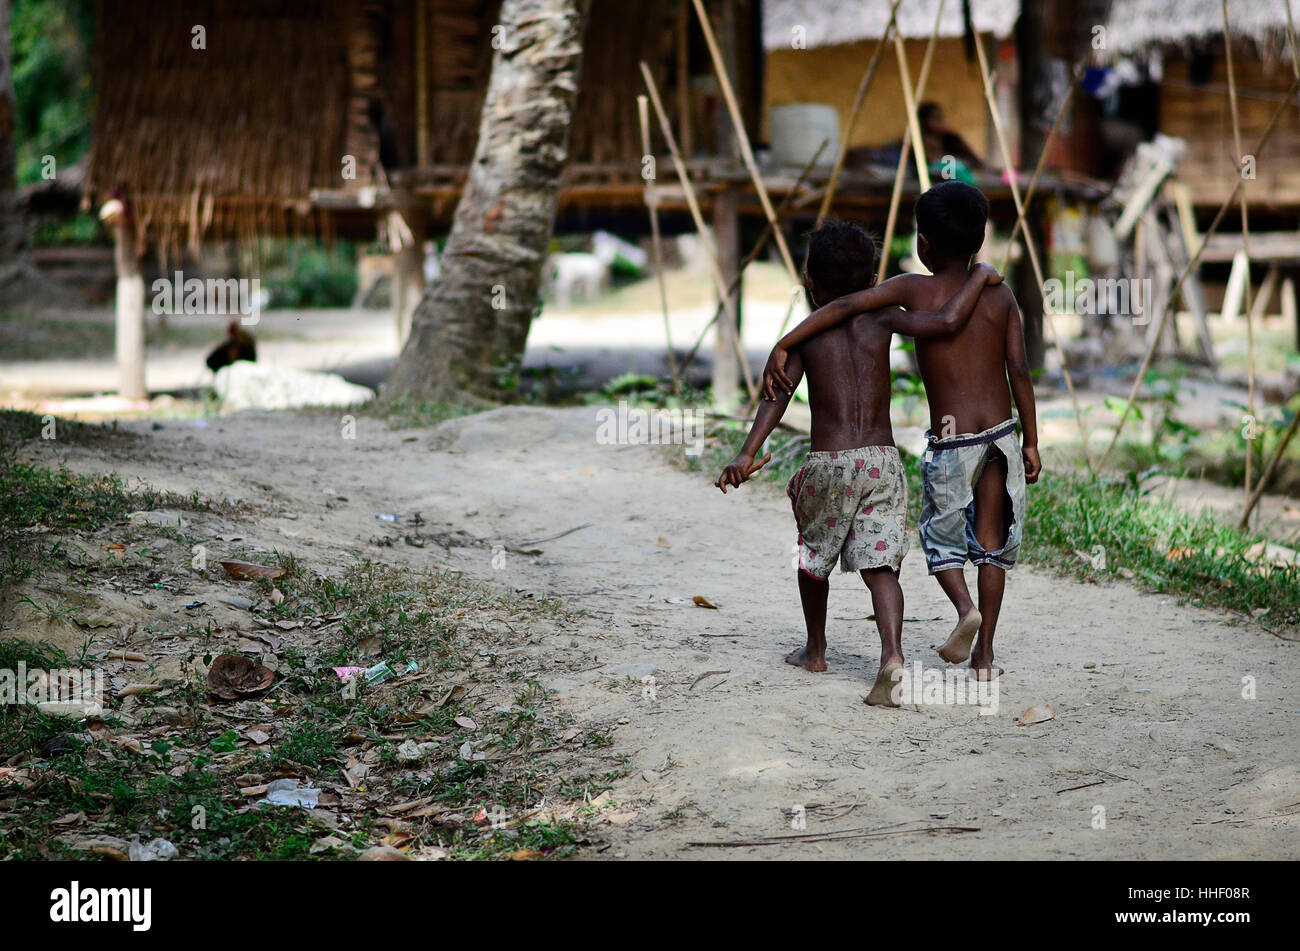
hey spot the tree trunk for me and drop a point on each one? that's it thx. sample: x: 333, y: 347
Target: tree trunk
x: 469, y: 330
x: 11, y: 218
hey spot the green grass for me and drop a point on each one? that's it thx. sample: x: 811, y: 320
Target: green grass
x: 1157, y: 545
x: 36, y: 501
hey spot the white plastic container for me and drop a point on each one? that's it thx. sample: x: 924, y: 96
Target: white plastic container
x: 797, y: 131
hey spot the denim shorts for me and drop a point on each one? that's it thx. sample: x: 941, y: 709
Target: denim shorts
x: 950, y: 469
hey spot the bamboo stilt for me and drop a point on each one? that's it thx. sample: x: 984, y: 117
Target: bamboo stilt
x: 1029, y: 243
x: 652, y: 203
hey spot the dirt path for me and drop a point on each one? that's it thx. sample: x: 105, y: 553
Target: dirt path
x: 728, y: 739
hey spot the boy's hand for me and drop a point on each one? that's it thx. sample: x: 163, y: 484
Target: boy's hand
x: 736, y: 473
x: 1033, y: 465
x: 991, y: 275
x: 774, y: 376
x: 740, y: 469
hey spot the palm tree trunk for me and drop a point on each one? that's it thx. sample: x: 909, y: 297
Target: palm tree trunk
x: 469, y: 329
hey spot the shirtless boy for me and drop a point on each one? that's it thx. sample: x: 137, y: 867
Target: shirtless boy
x: 849, y: 498
x: 974, y: 469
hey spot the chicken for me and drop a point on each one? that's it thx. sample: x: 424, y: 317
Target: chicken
x: 238, y: 345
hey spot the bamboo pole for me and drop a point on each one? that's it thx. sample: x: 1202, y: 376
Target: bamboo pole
x: 1267, y: 474
x: 693, y: 204
x: 913, y: 121
x: 786, y: 203
x: 1205, y: 240
x: 867, y: 78
x: 1029, y: 242
x: 652, y: 203
x: 1245, y: 244
x: 742, y: 138
x: 896, y: 196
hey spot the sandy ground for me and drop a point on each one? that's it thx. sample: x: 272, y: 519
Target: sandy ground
x: 727, y: 743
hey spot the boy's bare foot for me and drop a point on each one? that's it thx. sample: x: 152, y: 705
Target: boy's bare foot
x: 957, y: 647
x: 981, y: 663
x: 802, y: 658
x: 882, y: 691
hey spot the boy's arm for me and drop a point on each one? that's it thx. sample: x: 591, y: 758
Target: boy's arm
x: 955, y: 313
x: 769, y: 414
x: 895, y: 292
x: 1022, y: 391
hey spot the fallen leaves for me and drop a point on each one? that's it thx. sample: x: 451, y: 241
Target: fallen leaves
x: 250, y: 570
x: 233, y: 675
x: 1039, y: 713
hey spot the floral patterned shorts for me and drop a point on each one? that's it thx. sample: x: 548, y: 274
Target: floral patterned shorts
x: 850, y: 505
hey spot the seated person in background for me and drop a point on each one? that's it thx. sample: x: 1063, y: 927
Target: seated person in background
x: 941, y: 140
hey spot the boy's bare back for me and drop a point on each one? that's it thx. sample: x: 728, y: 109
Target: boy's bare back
x: 965, y: 372
x: 848, y: 384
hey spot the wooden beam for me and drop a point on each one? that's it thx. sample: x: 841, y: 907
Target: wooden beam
x: 423, y: 140
x: 129, y: 313
x: 684, y: 117
x: 727, y: 345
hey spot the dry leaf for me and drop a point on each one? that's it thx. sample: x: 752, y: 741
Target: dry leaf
x: 524, y: 855
x: 232, y: 675
x: 1039, y: 713
x: 248, y: 570
x: 452, y: 695
x: 467, y: 723
x: 704, y: 603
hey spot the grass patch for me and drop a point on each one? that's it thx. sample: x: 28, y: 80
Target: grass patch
x: 1127, y: 534
x: 38, y: 503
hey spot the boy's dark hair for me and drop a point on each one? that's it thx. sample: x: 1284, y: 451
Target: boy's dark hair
x: 841, y: 258
x: 952, y: 216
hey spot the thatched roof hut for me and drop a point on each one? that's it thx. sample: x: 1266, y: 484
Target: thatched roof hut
x: 831, y: 24
x: 295, y: 116
x: 1139, y: 25
x: 844, y: 35
x: 1180, y: 44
